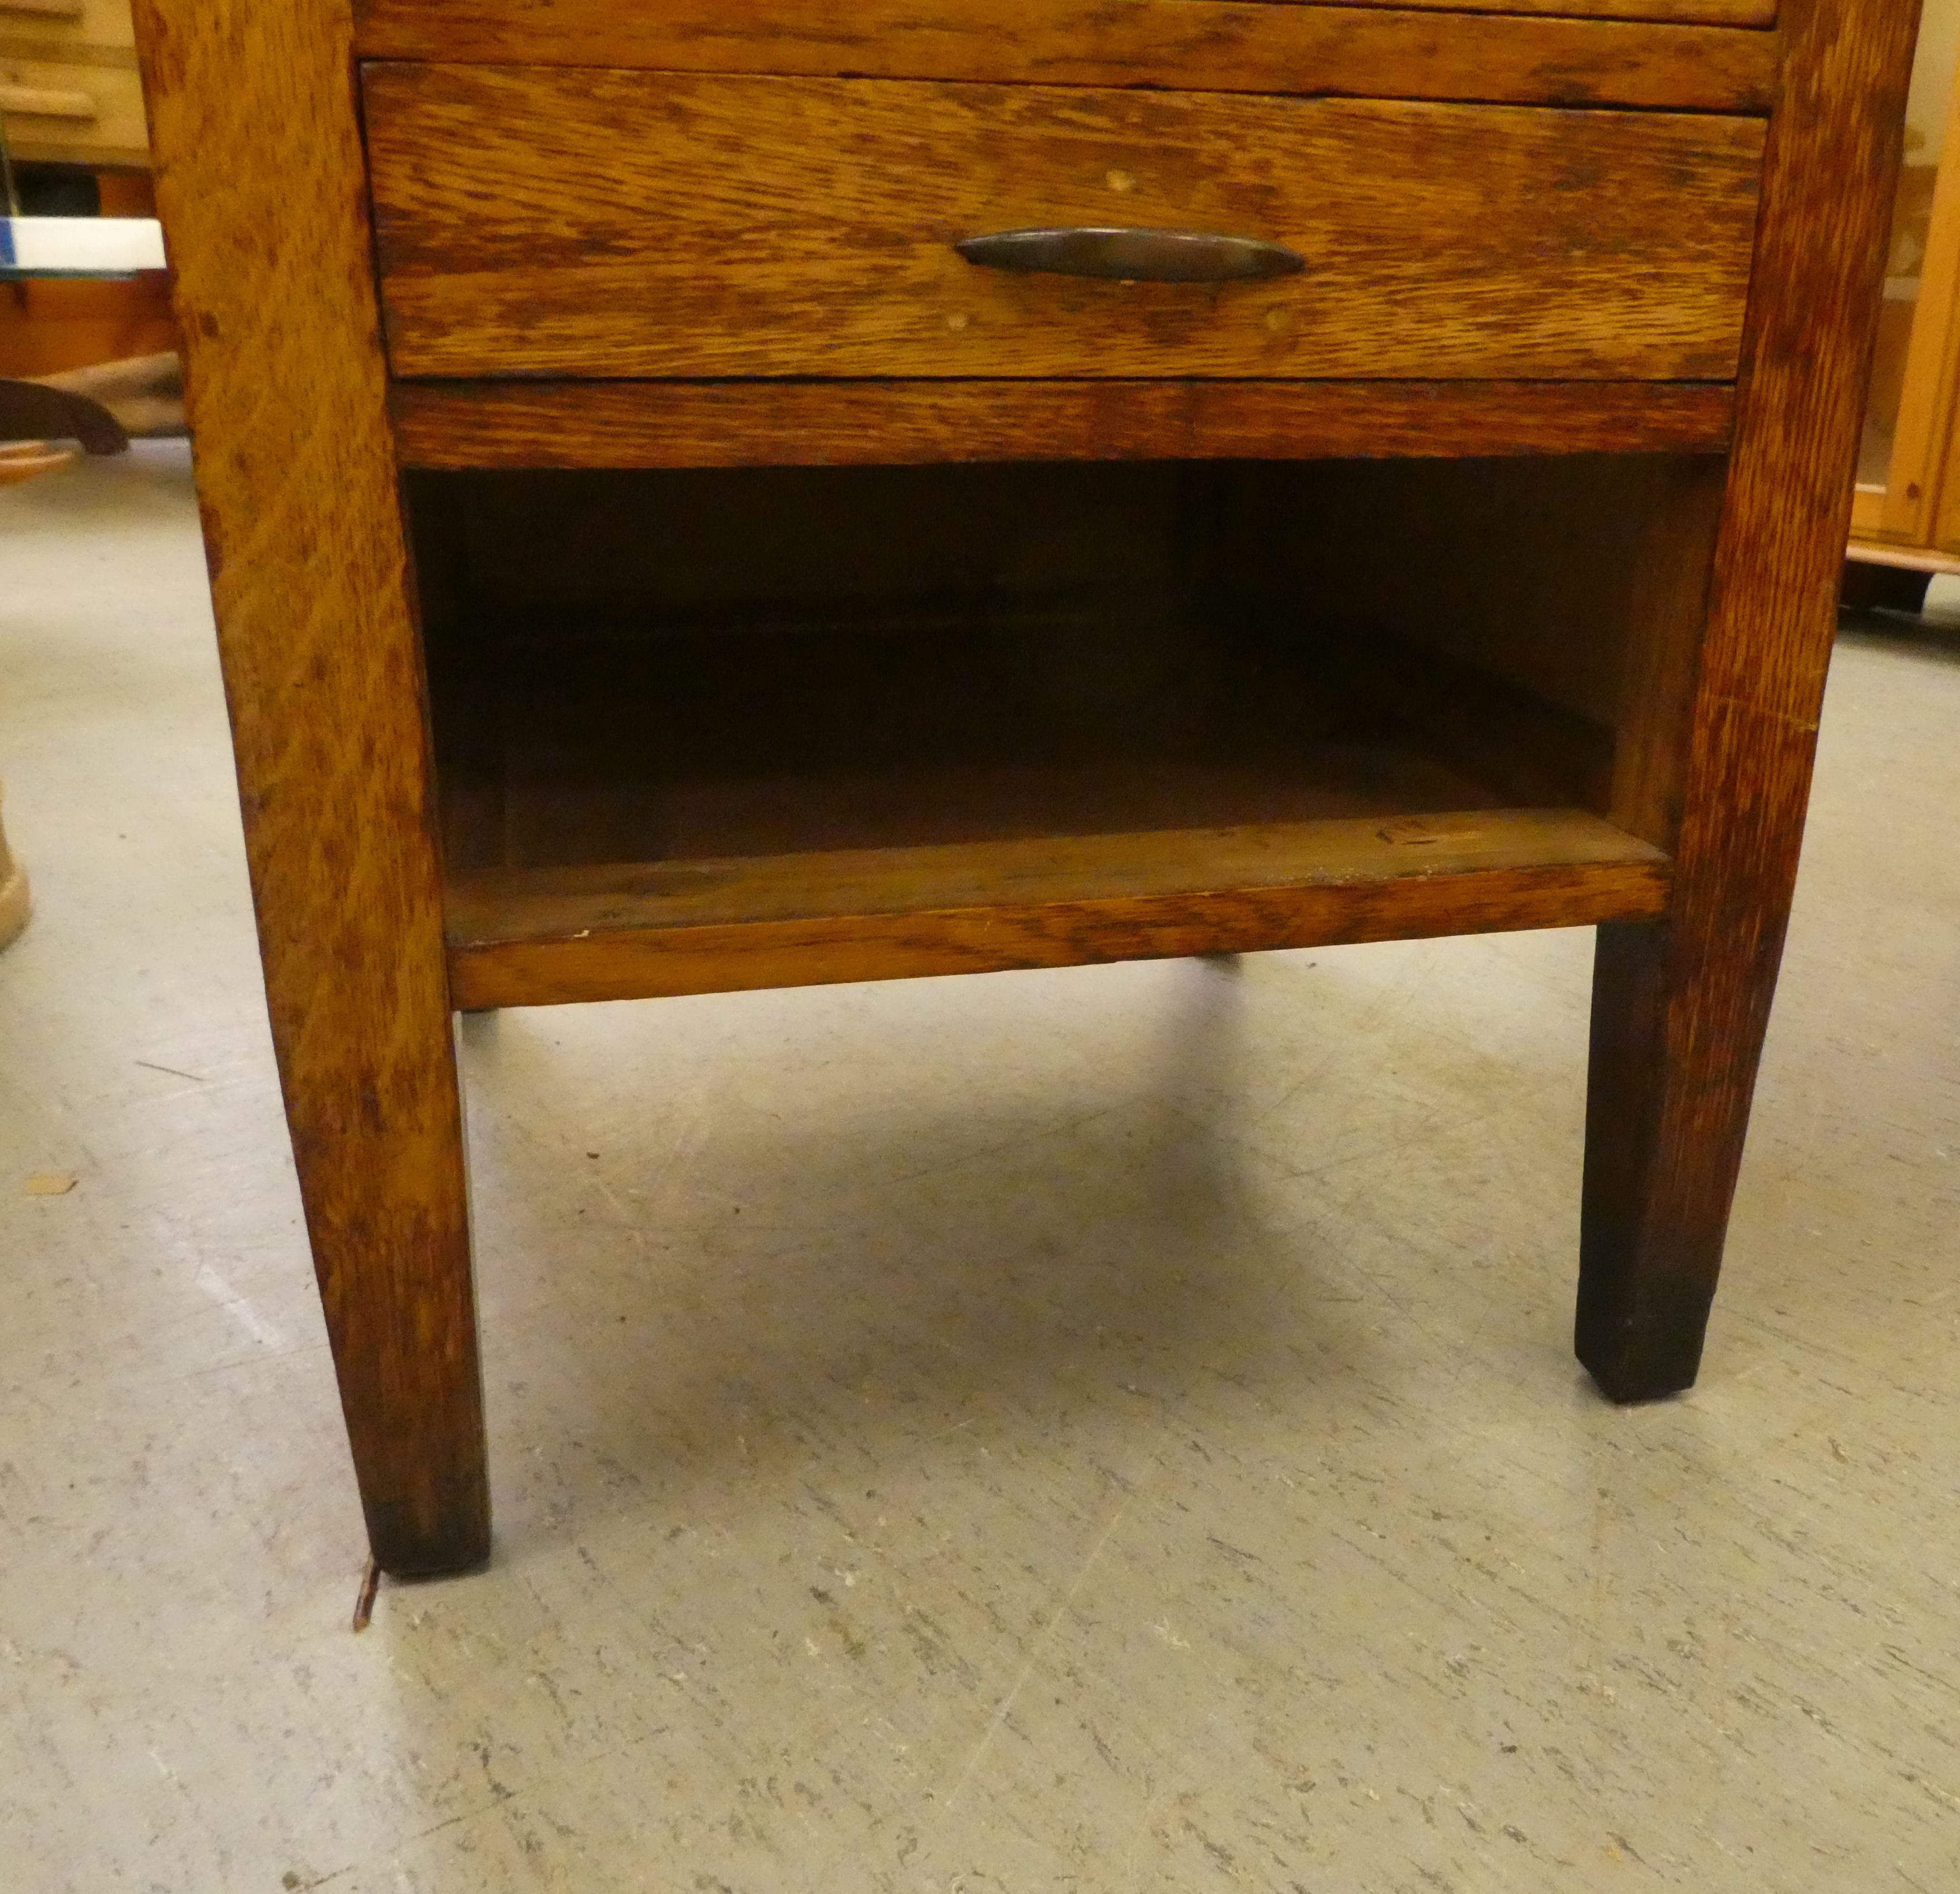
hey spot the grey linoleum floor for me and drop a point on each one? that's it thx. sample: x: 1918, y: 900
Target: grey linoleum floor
x: 1105, y: 1430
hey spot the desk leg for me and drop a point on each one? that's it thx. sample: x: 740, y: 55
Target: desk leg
x: 1680, y: 1007
x: 1677, y: 1034
x: 385, y: 1194
x: 253, y: 111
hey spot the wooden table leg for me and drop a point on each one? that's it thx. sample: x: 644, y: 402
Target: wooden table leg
x: 287, y: 390
x: 388, y: 1216
x: 1667, y: 1107
x: 1680, y: 1007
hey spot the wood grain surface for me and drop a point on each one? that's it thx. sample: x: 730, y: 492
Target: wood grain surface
x: 1226, y: 45
x: 664, y: 423
x: 260, y: 184
x: 1570, y: 576
x: 532, y: 222
x: 529, y: 937
x: 1680, y: 1007
x: 787, y: 228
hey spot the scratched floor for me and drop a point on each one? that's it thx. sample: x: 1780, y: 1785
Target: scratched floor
x: 1107, y: 1430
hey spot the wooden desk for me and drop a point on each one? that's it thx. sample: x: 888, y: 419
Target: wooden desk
x: 718, y: 577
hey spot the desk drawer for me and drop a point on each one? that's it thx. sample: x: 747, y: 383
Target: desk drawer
x: 68, y: 27
x: 72, y: 112
x: 536, y: 221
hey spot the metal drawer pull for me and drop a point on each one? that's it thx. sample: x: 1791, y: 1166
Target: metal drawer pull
x: 1133, y: 256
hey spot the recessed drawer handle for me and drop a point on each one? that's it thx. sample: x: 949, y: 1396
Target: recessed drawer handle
x: 1133, y: 256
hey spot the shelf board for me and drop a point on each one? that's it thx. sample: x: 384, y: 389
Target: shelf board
x: 1907, y: 558
x: 545, y: 424
x: 604, y: 931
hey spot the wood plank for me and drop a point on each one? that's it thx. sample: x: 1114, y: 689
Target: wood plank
x: 665, y: 744
x: 1226, y: 45
x: 259, y: 185
x: 537, y: 936
x: 1680, y: 1007
x: 1582, y: 578
x: 1905, y: 558
x: 657, y: 424
x: 775, y: 226
x: 1665, y: 604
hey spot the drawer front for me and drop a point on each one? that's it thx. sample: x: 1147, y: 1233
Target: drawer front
x: 62, y: 113
x: 89, y: 26
x: 547, y: 222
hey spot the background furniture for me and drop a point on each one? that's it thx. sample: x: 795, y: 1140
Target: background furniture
x: 716, y: 580
x: 33, y: 410
x: 69, y: 91
x: 1905, y: 519
x: 72, y: 118
x: 98, y: 408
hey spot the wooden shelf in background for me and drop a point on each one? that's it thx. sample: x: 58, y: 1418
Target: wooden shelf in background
x: 638, y: 807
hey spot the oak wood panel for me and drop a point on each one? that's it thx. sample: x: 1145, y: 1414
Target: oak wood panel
x: 678, y: 744
x: 1665, y: 607
x: 1581, y: 578
x: 1680, y: 1007
x: 655, y: 424
x: 538, y: 936
x: 610, y: 559
x: 1520, y: 745
x: 259, y: 185
x: 628, y: 223
x: 1241, y: 45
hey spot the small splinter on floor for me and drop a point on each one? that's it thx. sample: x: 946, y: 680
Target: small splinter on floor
x: 150, y: 1065
x: 364, y: 1605
x: 50, y: 1183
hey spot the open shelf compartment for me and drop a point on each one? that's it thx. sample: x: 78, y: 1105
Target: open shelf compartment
x: 707, y: 730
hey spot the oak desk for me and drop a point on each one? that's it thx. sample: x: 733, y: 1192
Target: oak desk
x: 724, y: 493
